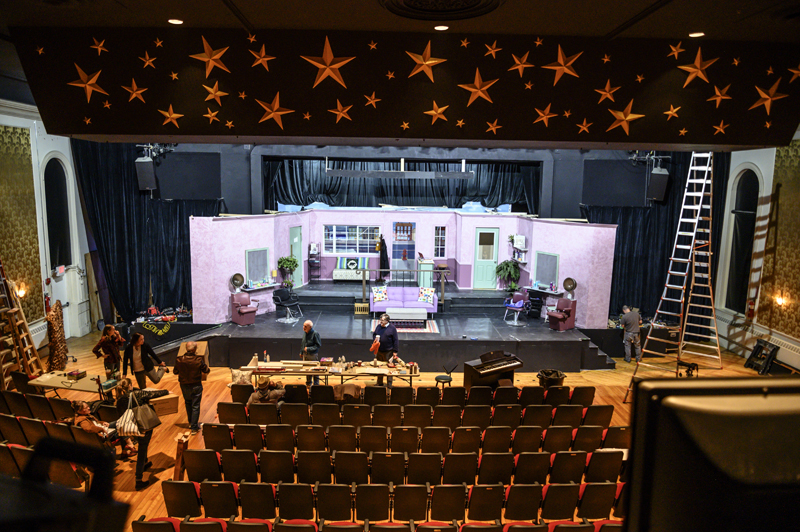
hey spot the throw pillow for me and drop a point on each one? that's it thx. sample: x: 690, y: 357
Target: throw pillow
x: 379, y: 294
x: 426, y: 295
x: 240, y: 376
x: 351, y: 264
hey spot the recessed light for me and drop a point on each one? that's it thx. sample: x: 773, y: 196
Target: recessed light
x: 441, y: 28
x: 696, y: 34
x: 175, y: 21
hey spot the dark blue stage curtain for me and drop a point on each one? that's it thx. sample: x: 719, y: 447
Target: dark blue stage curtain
x: 302, y: 182
x: 646, y: 236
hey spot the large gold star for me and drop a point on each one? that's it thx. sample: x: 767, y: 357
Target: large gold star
x: 768, y: 97
x: 721, y: 127
x: 211, y: 115
x: 136, y: 92
x: 170, y: 116
x: 261, y: 58
x: 529, y: 85
x: 212, y: 58
x: 493, y: 49
x: 437, y: 112
x: 340, y: 111
x: 478, y: 88
x: 584, y: 128
x: 229, y: 124
x: 795, y: 73
x: 274, y: 110
x: 607, y: 92
x: 372, y: 45
x: 424, y: 62
x: 675, y: 50
x: 405, y: 125
x: 460, y: 123
x: 720, y: 95
x: 251, y: 38
x: 493, y: 127
x: 698, y: 68
x: 88, y: 83
x: 544, y: 115
x: 148, y: 61
x: 672, y: 113
x: 683, y: 132
x: 98, y: 45
x: 328, y: 65
x: 563, y: 65
x: 623, y: 118
x: 214, y: 93
x: 605, y: 59
x: 159, y: 43
x: 372, y: 100
x: 464, y: 43
x: 520, y: 64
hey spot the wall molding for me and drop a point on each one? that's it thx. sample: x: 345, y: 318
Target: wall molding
x: 19, y: 110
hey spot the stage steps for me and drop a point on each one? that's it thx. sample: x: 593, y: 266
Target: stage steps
x: 594, y: 358
x: 476, y: 302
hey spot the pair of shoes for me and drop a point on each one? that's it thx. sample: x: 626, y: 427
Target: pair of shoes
x: 148, y: 465
x: 127, y: 453
x: 141, y: 484
x: 628, y: 361
x: 195, y: 431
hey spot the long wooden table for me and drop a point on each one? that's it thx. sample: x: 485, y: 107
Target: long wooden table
x: 344, y: 376
x: 58, y: 380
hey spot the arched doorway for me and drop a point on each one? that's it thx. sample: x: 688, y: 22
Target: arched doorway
x: 743, y: 220
x: 57, y: 212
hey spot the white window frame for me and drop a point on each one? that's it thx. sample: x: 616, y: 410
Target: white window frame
x: 354, y: 240
x: 440, y: 242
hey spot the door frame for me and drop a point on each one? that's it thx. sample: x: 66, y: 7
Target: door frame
x: 300, y: 269
x: 478, y: 231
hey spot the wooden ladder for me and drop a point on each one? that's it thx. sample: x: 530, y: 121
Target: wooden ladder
x: 27, y: 357
x: 8, y: 357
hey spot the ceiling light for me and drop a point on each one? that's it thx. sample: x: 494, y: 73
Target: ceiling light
x: 441, y: 28
x: 175, y: 21
x: 696, y: 34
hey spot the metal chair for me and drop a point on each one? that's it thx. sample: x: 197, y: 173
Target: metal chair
x: 287, y: 299
x: 446, y: 378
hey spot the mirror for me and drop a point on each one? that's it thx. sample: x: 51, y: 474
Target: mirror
x: 546, y: 271
x: 257, y: 261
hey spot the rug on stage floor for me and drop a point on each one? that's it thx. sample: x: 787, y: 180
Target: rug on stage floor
x: 430, y: 327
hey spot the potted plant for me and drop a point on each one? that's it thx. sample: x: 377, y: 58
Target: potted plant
x: 508, y: 272
x: 287, y: 266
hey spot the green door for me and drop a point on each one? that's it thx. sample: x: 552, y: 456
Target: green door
x: 485, y: 277
x: 296, y: 239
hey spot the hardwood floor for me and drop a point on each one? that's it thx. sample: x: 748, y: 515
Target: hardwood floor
x: 610, y: 386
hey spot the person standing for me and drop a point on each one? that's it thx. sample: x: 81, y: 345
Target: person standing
x: 630, y: 322
x: 309, y: 347
x: 108, y: 349
x: 141, y: 358
x: 190, y: 368
x: 388, y: 343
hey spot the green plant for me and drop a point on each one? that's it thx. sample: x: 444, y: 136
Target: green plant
x: 288, y: 264
x: 508, y: 272
x: 512, y: 286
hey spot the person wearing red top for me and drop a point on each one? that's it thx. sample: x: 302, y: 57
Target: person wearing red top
x: 108, y: 349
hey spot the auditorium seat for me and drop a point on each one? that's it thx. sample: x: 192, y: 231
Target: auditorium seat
x: 556, y: 395
x: 466, y: 440
x: 220, y: 499
x: 310, y: 438
x: 607, y: 525
x: 556, y: 438
x: 296, y: 393
x: 8, y: 466
x: 587, y: 438
x: 495, y: 468
x: 405, y: 439
x: 257, y: 500
x: 505, y: 395
x: 447, y: 416
x: 325, y: 414
x: 204, y: 524
x: 477, y: 416
x: 17, y: 404
x: 294, y: 525
x: 598, y: 415
x: 40, y: 407
x: 59, y: 431
x: 387, y: 468
x: 157, y: 524
x: 294, y: 414
x: 276, y: 466
x: 202, y: 464
x: 181, y: 498
x: 375, y: 395
x: 417, y: 415
x: 436, y: 440
x: 11, y: 430
x: 537, y: 416
x: 334, y: 503
x: 231, y: 413
x: 531, y: 468
x: 410, y: 503
x: 321, y: 393
x: 356, y: 415
x: 582, y: 395
x: 248, y: 437
x: 522, y: 502
x: 217, y: 436
x: 279, y: 438
x: 618, y: 437
x: 401, y: 395
x: 596, y: 500
x: 313, y: 467
x: 485, y: 502
x: 62, y: 408
x: 240, y: 465
x: 387, y: 415
x: 559, y: 501
x: 263, y: 414
x: 603, y: 465
x: 33, y: 429
x: 447, y: 503
x: 526, y: 439
x: 295, y: 501
x: 249, y: 525
x: 531, y: 395
x: 567, y: 466
x: 459, y: 468
x: 240, y: 393
x: 568, y: 415
x: 373, y: 438
x: 454, y: 396
x: 427, y: 395
x: 351, y: 467
x: 480, y: 395
x: 425, y: 468
x: 496, y: 440
x: 507, y: 415
x: 372, y: 502
x: 342, y: 438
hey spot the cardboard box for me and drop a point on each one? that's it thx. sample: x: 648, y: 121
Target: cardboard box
x: 165, y: 405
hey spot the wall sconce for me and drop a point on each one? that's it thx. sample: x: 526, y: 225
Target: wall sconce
x: 21, y: 290
x: 274, y: 276
x: 780, y: 300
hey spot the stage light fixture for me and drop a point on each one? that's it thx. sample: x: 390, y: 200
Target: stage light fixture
x: 441, y: 28
x: 175, y: 21
x: 696, y: 34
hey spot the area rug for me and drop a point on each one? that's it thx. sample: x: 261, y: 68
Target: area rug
x: 430, y: 327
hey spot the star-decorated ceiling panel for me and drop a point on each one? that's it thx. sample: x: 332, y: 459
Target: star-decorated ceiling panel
x: 295, y: 84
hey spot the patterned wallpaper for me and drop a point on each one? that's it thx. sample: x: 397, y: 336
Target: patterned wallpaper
x: 19, y: 237
x: 782, y: 253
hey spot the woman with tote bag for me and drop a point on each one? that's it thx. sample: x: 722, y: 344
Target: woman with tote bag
x: 129, y: 395
x: 142, y: 360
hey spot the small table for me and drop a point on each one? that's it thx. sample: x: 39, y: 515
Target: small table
x: 58, y: 380
x: 370, y: 371
x: 408, y: 317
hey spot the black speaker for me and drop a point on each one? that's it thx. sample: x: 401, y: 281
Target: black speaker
x: 659, y: 178
x: 146, y: 173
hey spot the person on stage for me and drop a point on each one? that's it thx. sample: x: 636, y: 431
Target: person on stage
x: 630, y: 321
x: 142, y: 360
x: 190, y: 368
x: 108, y: 349
x: 309, y: 347
x: 388, y: 343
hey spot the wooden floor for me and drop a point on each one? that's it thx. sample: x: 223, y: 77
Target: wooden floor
x: 610, y: 384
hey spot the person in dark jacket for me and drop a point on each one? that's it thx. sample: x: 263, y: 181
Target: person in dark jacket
x: 125, y: 389
x: 107, y: 431
x: 388, y: 343
x: 190, y: 368
x: 141, y: 358
x: 309, y: 347
x: 268, y: 391
x: 108, y: 349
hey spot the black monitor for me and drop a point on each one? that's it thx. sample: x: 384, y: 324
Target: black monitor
x: 715, y: 454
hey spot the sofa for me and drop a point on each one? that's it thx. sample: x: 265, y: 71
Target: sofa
x: 349, y: 268
x: 405, y: 297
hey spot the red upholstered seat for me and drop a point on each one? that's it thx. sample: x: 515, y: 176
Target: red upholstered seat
x: 563, y: 318
x: 241, y: 311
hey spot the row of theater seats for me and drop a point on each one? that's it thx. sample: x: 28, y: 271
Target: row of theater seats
x: 26, y: 431
x: 14, y: 458
x: 390, y: 415
x: 372, y: 438
x: 33, y: 405
x: 519, y: 504
x: 347, y: 467
x: 432, y: 396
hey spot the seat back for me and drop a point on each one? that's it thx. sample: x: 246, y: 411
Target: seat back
x: 240, y: 393
x: 537, y: 416
x: 388, y: 467
x: 263, y: 414
x: 496, y: 439
x: 587, y: 438
x: 356, y: 415
x: 351, y: 467
x: 428, y: 395
x: 526, y: 439
x: 279, y: 438
x: 447, y: 502
x: 313, y: 467
x: 295, y: 501
x: 333, y: 503
x: 417, y: 415
x: 405, y: 439
x: 241, y: 299
x: 372, y: 502
x: 294, y: 414
x: 342, y: 438
x: 240, y: 465
x: 40, y: 407
x: 556, y: 395
x: 436, y: 440
x: 466, y: 440
x: 231, y: 413
x: 202, y: 464
x: 373, y: 439
x: 17, y: 404
x: 454, y: 396
x: 531, y: 395
x: 375, y: 395
x: 401, y: 395
x: 11, y: 430
x: 59, y: 431
x: 582, y: 395
x: 596, y: 500
x: 559, y: 501
x: 410, y: 503
x: 522, y: 502
x: 480, y: 395
x: 505, y: 395
x: 568, y: 415
x: 425, y: 468
x: 296, y: 393
x: 62, y: 408
x: 447, y: 416
x: 220, y: 499
x: 507, y: 416
x: 217, y: 436
x: 494, y: 468
x: 325, y: 414
x: 598, y: 415
x: 531, y: 468
x: 257, y: 500
x: 8, y: 466
x: 618, y: 437
x: 163, y: 524
x: 459, y: 468
x: 181, y: 498
x: 604, y: 466
x: 556, y: 438
x: 387, y: 415
x: 248, y: 437
x: 322, y: 393
x: 33, y: 429
x: 485, y: 502
x: 476, y: 416
x: 567, y: 466
x: 276, y: 466
x: 310, y: 438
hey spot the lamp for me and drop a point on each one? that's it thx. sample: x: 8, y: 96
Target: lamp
x: 21, y: 290
x: 780, y: 299
x: 274, y: 275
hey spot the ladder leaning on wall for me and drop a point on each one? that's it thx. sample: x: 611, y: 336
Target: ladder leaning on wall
x: 23, y: 355
x: 8, y: 357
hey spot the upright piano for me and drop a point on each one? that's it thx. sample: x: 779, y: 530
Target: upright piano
x: 490, y: 368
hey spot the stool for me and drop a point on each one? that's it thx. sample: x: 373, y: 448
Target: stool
x: 443, y: 379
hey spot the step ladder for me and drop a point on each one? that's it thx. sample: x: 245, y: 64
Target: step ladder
x: 8, y: 350
x: 26, y: 357
x: 692, y: 315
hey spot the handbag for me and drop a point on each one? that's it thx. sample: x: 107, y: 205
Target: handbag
x: 156, y: 374
x: 146, y: 417
x: 126, y: 424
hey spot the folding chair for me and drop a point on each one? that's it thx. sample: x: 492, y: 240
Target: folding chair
x: 276, y: 466
x: 495, y: 468
x: 33, y: 429
x: 587, y: 438
x: 310, y: 438
x: 240, y: 393
x: 294, y: 414
x: 22, y: 455
x: 428, y: 395
x: 531, y: 468
x: 480, y: 395
x: 107, y: 413
x: 617, y: 438
x: 11, y: 430
x: 202, y: 464
x: 405, y: 439
x: 322, y: 393
x: 417, y: 415
x: 447, y: 503
x: 59, y: 431
x: 454, y: 396
x: 485, y: 502
x: 556, y: 439
x: 466, y: 440
x: 401, y: 395
x: 522, y: 503
x: 351, y: 467
x: 559, y: 501
x: 582, y: 395
x: 537, y: 416
x: 232, y: 413
x: 279, y: 438
x: 425, y: 468
x: 334, y: 504
x: 496, y: 440
x: 342, y: 438
x: 596, y: 500
x: 387, y: 468
x: 603, y: 465
x: 4, y: 406
x: 556, y: 395
x: 220, y: 499
x: 40, y: 407
x: 372, y: 502
x: 17, y: 404
x: 567, y: 466
x: 356, y: 415
x: 217, y: 436
x: 181, y: 498
x: 568, y: 415
x: 598, y: 415
x: 62, y: 408
x: 531, y: 395
x: 296, y: 393
x: 505, y: 395
x: 313, y: 467
x: 387, y: 415
x: 526, y: 439
x: 436, y: 440
x: 248, y: 437
x: 325, y: 414
x: 258, y: 500
x: 507, y: 416
x: 264, y: 414
x: 459, y: 468
x: 373, y: 439
x: 447, y: 416
x: 477, y: 416
x: 375, y: 395
x: 410, y: 503
x: 240, y: 465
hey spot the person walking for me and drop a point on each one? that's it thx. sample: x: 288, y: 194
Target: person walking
x: 141, y: 358
x: 108, y: 349
x: 388, y: 343
x: 190, y: 369
x: 309, y: 347
x: 630, y: 321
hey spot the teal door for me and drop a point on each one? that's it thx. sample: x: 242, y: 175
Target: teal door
x: 296, y: 239
x: 485, y: 276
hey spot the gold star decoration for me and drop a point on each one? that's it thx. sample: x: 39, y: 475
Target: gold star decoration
x: 768, y: 124
x: 340, y: 111
x: 735, y: 61
x: 675, y: 50
x: 372, y: 100
x: 214, y: 93
x: 211, y: 115
x: 242, y: 95
x: 173, y: 76
x: 539, y: 41
x: 437, y: 112
x: 306, y: 116
x: 87, y: 120
x: 136, y: 92
x: 544, y: 115
x: 372, y: 45
x: 493, y: 127
x: 563, y: 65
x: 493, y: 49
x: 148, y: 61
x: 40, y: 50
x: 607, y: 92
x: 683, y: 132
x: 251, y: 38
x: 261, y: 58
x: 98, y: 45
x: 424, y: 62
x: 623, y: 118
x: 159, y: 43
x: 390, y: 74
x: 795, y: 73
x: 328, y: 65
x: 639, y: 78
x: 479, y: 88
x: 767, y: 97
x: 107, y: 104
x: 769, y: 71
x: 464, y: 43
x: 698, y: 68
x: 405, y: 125
x: 721, y: 127
x: 672, y: 113
x: 605, y: 59
x: 584, y: 128
x: 567, y: 113
x: 212, y: 58
x: 229, y: 124
x: 529, y: 85
x: 170, y: 116
x: 274, y: 110
x: 720, y: 95
x: 460, y: 123
x: 520, y: 64
x: 88, y: 83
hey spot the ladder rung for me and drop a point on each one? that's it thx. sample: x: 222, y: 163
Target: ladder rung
x: 680, y: 274
x: 655, y: 339
x: 653, y: 352
x: 685, y: 233
x: 707, y: 296
x: 698, y: 193
x: 696, y: 168
x: 693, y: 207
x: 701, y: 316
x: 688, y: 220
x: 674, y: 287
x: 679, y: 260
x: 668, y: 313
x: 704, y: 253
x: 699, y: 344
x: 699, y: 334
x: 670, y: 299
x: 684, y: 352
x: 701, y: 306
x: 697, y: 181
x: 682, y: 246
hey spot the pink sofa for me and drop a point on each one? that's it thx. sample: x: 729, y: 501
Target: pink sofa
x: 405, y: 297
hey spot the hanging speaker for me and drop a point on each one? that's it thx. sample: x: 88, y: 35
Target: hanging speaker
x: 146, y: 173
x: 659, y: 178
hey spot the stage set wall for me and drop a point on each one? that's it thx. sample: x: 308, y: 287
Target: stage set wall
x: 585, y: 251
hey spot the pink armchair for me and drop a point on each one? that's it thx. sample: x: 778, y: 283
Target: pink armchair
x: 241, y: 311
x: 563, y: 317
